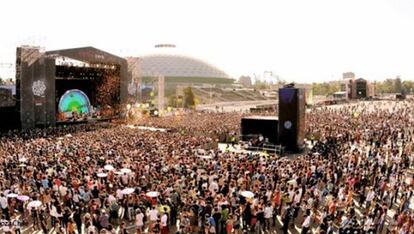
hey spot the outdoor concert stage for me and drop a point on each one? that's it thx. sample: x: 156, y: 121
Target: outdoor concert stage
x: 70, y: 86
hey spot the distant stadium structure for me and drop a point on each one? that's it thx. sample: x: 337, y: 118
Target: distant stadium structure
x: 167, y: 62
x: 179, y: 70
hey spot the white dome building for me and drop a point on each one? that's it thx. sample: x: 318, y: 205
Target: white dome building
x: 170, y: 65
x: 179, y: 70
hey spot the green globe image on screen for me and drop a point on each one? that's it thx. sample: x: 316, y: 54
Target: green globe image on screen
x: 74, y: 100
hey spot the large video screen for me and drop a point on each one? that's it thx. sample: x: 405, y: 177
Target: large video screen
x: 74, y: 101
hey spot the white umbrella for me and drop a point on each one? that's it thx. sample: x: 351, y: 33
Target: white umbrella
x: 118, y: 173
x: 23, y: 198
x: 34, y: 204
x: 127, y: 191
x: 101, y: 175
x: 153, y: 194
x: 126, y: 170
x: 12, y: 195
x: 23, y: 160
x: 247, y: 194
x: 68, y: 135
x: 109, y: 167
x: 293, y: 182
x: 205, y: 156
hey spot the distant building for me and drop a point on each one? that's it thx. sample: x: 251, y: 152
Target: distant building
x: 356, y: 88
x: 348, y: 75
x: 6, y: 96
x: 348, y: 85
x: 178, y: 70
x: 246, y: 81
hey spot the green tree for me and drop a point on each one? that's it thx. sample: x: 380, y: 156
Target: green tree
x: 398, y: 85
x: 408, y: 86
x: 172, y: 101
x: 390, y: 86
x: 189, y: 98
x: 325, y: 88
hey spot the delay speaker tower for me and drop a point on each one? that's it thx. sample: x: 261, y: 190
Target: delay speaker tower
x: 292, y: 118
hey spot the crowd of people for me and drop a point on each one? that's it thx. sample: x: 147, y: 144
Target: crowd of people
x: 111, y: 178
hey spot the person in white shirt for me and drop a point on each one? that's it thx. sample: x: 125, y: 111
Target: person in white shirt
x: 370, y: 197
x: 4, y: 206
x: 119, y: 194
x: 268, y: 215
x: 63, y: 191
x: 55, y: 216
x: 139, y: 221
x: 369, y: 223
x: 124, y: 179
x: 153, y: 217
x: 298, y: 196
x: 213, y: 188
x: 76, y: 198
x: 306, y: 222
x: 164, y: 224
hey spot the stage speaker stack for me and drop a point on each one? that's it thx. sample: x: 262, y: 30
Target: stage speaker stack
x: 292, y: 118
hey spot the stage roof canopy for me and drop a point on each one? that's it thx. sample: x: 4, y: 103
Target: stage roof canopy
x: 88, y: 54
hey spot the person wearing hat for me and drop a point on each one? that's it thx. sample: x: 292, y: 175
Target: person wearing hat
x: 139, y: 221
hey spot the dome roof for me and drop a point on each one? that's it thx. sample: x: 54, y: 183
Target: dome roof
x: 178, y: 66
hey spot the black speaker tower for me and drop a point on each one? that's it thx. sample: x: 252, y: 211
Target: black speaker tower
x: 292, y: 118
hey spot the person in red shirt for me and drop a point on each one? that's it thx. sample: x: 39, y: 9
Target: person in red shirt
x: 58, y: 182
x: 332, y: 208
x: 277, y: 200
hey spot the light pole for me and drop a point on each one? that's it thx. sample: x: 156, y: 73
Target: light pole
x: 273, y: 75
x: 267, y: 72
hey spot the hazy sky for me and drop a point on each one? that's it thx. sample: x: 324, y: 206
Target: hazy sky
x: 300, y: 40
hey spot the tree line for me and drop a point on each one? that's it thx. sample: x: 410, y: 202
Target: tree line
x: 381, y: 87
